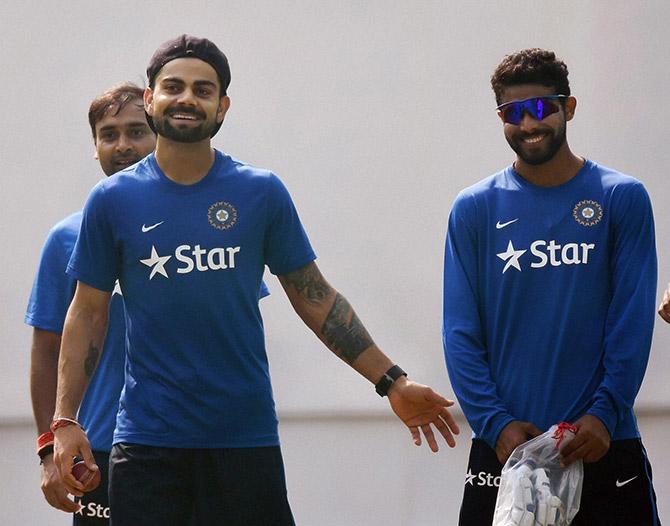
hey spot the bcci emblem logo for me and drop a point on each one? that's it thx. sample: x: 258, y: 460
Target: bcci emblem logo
x: 587, y: 213
x: 222, y: 215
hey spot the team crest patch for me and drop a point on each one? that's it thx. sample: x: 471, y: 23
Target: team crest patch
x: 587, y: 212
x: 222, y: 215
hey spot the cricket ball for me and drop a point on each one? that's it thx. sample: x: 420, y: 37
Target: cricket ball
x: 90, y: 479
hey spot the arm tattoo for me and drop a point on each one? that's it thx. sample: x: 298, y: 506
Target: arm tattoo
x: 91, y: 360
x: 344, y: 332
x: 309, y: 283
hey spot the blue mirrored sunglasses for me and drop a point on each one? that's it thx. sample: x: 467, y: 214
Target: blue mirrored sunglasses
x: 537, y: 107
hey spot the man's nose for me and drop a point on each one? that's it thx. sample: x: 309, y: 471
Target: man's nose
x: 187, y: 97
x: 528, y: 123
x: 123, y: 144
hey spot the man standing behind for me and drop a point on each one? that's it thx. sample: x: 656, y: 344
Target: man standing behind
x: 121, y: 137
x: 549, y: 292
x: 188, y: 232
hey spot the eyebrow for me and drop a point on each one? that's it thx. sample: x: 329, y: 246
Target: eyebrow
x: 136, y: 124
x: 197, y: 82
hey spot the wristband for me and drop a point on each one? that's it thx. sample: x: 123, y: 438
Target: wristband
x: 384, y: 384
x: 45, y: 452
x: 45, y: 444
x: 62, y: 421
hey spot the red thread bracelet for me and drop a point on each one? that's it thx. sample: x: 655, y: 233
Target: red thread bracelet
x: 62, y: 421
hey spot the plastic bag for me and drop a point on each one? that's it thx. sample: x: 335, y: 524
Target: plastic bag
x: 534, y: 489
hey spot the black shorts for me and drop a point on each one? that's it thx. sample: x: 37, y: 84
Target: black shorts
x: 204, y: 487
x: 95, y: 504
x: 617, y: 489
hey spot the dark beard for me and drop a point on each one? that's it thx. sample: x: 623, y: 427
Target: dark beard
x: 187, y: 135
x: 536, y: 158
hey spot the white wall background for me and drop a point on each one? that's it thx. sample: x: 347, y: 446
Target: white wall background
x: 374, y: 114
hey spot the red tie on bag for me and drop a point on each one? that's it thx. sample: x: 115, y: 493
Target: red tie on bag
x: 559, y: 434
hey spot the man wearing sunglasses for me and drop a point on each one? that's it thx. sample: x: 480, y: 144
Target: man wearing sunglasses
x: 549, y: 299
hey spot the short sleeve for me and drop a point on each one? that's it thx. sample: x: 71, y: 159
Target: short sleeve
x: 286, y: 246
x: 95, y: 260
x: 52, y: 288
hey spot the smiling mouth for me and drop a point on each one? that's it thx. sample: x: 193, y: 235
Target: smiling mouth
x: 125, y: 162
x: 184, y: 116
x: 534, y: 139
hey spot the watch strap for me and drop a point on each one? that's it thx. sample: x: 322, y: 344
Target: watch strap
x: 384, y: 384
x: 45, y: 445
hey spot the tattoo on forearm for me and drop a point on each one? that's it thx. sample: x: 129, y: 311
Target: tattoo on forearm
x: 309, y: 282
x: 344, y: 332
x: 91, y: 360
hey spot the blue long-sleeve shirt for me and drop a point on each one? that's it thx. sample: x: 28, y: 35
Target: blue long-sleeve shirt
x: 549, y: 300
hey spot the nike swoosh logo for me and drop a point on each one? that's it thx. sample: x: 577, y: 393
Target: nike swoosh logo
x: 619, y: 484
x: 500, y: 225
x: 148, y: 228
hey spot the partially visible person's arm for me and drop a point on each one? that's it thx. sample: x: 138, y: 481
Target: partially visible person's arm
x: 664, y: 307
x: 82, y: 343
x: 330, y: 316
x: 51, y: 294
x: 43, y: 378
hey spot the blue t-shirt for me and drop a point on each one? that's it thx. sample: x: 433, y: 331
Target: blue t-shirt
x: 190, y: 259
x: 549, y: 300
x: 51, y: 295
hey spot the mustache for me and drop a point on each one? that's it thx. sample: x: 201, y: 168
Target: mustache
x: 539, y: 131
x: 186, y: 110
x: 126, y: 157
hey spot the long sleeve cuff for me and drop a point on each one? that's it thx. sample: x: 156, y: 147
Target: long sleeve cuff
x: 606, y: 410
x: 496, y: 426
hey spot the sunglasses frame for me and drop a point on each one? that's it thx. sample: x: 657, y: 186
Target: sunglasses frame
x: 500, y: 109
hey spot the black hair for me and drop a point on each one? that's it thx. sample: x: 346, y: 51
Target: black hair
x: 530, y: 66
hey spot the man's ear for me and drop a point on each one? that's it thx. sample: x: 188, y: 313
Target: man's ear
x: 570, y: 105
x: 224, y: 106
x: 148, y: 101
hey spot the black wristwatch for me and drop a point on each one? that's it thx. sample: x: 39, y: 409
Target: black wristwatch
x: 382, y: 386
